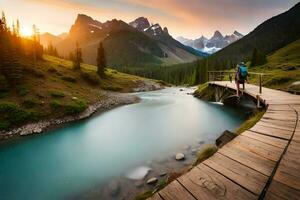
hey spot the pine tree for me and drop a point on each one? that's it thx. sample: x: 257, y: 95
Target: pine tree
x: 4, y: 23
x: 77, y: 57
x: 257, y: 58
x: 101, y: 60
x: 18, y: 28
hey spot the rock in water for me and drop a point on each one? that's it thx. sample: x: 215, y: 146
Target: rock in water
x: 138, y: 173
x: 163, y: 174
x: 152, y: 181
x: 226, y: 137
x: 179, y: 156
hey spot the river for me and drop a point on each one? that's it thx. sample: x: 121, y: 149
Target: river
x: 76, y: 160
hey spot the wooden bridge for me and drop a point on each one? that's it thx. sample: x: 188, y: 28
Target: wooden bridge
x: 261, y: 163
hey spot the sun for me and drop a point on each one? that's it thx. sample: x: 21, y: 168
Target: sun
x: 26, y: 31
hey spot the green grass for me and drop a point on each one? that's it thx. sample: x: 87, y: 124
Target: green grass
x: 12, y: 114
x: 253, y: 119
x: 205, y: 92
x: 282, y: 68
x: 149, y: 193
x: 205, y: 153
x: 53, y: 87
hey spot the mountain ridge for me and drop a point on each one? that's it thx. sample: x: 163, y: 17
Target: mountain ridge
x: 145, y: 44
x: 212, y: 45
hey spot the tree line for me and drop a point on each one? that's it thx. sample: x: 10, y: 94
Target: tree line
x: 14, y: 48
x: 76, y: 57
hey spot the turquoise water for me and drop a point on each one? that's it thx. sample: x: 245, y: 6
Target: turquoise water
x: 81, y: 155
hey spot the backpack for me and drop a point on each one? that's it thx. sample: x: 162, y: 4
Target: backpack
x: 243, y: 72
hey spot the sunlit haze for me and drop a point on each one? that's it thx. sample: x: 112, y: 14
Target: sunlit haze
x: 189, y: 18
x: 26, y: 31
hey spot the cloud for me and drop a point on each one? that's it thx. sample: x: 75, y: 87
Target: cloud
x: 190, y: 18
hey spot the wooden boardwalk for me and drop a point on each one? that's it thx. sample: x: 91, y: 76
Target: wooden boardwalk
x: 261, y: 163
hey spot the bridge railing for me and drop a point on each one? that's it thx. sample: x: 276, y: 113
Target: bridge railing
x: 253, y: 77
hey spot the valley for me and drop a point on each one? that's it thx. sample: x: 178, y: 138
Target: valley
x: 115, y: 100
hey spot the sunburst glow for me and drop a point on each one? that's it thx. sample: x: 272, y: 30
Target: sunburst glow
x: 26, y: 31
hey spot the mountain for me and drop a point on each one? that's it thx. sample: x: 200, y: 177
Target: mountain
x: 134, y: 45
x: 269, y: 36
x: 140, y: 23
x: 212, y: 45
x: 48, y: 38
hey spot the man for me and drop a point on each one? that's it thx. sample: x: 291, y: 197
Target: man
x: 241, y: 76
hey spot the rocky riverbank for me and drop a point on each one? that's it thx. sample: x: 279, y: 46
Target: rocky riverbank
x: 107, y: 101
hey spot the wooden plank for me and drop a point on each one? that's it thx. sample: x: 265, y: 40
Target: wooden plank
x: 155, y: 197
x: 288, y: 171
x: 282, y: 117
x: 289, y: 113
x: 248, y: 158
x: 266, y: 139
x: 262, y: 149
x: 175, y: 191
x: 296, y: 137
x: 272, y: 131
x: 279, y: 191
x: 279, y: 122
x: 279, y: 108
x: 273, y: 125
x: 246, y: 177
x: 205, y: 184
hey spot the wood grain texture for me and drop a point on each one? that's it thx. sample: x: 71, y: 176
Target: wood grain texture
x: 248, y: 158
x: 205, y: 183
x: 242, y: 175
x: 266, y: 139
x: 272, y: 131
x: 156, y: 197
x: 279, y: 191
x: 174, y: 191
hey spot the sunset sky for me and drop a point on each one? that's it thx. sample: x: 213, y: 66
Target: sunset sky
x: 189, y: 18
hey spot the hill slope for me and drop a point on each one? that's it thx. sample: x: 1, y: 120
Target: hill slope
x: 282, y: 69
x: 267, y: 37
x: 126, y: 46
x: 53, y: 89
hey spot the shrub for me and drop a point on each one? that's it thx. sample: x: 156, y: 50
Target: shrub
x: 30, y: 103
x: 52, y: 70
x: 75, y: 107
x: 205, y: 153
x: 22, y: 90
x: 3, y: 83
x: 55, y: 104
x: 35, y: 72
x: 16, y: 115
x: 91, y: 78
x: 57, y: 94
x: 3, y: 94
x: 69, y: 79
x: 4, y: 125
x: 112, y: 88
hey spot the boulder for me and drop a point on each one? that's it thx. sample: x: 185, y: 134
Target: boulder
x: 163, y: 174
x: 226, y: 137
x: 152, y: 181
x: 179, y: 156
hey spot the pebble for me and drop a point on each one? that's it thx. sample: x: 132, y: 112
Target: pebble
x: 179, y: 156
x: 163, y: 174
x: 152, y: 181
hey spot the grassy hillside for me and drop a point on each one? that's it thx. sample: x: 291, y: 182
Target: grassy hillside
x: 53, y: 89
x: 282, y: 68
